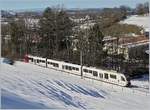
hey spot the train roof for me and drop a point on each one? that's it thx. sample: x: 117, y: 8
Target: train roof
x: 36, y: 57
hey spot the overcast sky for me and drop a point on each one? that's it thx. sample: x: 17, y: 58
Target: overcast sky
x: 37, y: 4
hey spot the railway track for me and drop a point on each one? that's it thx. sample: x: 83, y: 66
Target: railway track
x: 139, y: 88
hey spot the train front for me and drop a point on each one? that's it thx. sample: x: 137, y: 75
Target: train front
x: 128, y: 81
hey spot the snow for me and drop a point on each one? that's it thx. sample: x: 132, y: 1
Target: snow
x: 147, y: 51
x: 16, y: 102
x: 141, y: 82
x: 142, y: 21
x: 30, y: 86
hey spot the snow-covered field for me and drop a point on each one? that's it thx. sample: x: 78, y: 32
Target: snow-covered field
x: 29, y: 86
x: 142, y: 21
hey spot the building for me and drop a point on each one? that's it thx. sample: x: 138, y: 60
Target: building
x: 31, y: 22
x: 127, y: 46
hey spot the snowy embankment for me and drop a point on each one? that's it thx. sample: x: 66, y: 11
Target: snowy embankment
x: 142, y: 21
x: 11, y: 100
x: 142, y: 83
x: 29, y: 86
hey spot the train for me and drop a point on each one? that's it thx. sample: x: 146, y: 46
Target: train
x: 108, y: 76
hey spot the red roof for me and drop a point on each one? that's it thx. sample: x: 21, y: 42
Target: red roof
x: 132, y: 40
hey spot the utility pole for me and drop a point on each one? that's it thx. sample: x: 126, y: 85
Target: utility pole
x: 81, y: 63
x: 81, y: 53
x: 46, y: 61
x: 0, y: 40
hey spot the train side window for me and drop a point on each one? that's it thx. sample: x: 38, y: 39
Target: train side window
x: 90, y: 71
x: 42, y: 61
x: 85, y: 70
x: 73, y: 68
x: 122, y: 78
x: 77, y: 69
x: 100, y: 75
x: 106, y: 75
x: 31, y: 59
x: 95, y: 73
x: 55, y: 65
x: 70, y: 68
x: 67, y: 67
x: 112, y: 76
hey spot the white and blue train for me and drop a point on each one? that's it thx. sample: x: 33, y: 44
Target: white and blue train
x: 108, y: 76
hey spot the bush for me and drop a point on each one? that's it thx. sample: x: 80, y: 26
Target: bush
x: 8, y: 61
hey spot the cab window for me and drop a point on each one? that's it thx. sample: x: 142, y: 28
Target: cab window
x: 122, y: 78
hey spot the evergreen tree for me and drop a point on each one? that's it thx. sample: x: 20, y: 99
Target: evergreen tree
x: 95, y: 40
x: 55, y: 28
x: 90, y: 44
x: 47, y: 30
x: 142, y: 8
x: 17, y: 37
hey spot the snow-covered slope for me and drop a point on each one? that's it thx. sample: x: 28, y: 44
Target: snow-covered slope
x: 31, y: 86
x: 11, y: 100
x: 142, y: 21
x: 141, y: 82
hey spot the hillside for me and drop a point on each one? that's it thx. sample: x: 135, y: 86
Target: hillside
x: 142, y: 21
x: 29, y: 86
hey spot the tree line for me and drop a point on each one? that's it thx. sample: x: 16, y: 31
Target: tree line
x: 55, y: 38
x: 52, y: 38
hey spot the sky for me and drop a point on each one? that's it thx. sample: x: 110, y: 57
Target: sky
x: 38, y: 4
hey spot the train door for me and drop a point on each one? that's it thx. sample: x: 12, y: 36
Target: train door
x: 106, y: 76
x: 34, y: 60
x: 26, y: 59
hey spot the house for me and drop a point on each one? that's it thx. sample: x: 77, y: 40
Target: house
x: 126, y: 45
x: 31, y: 22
